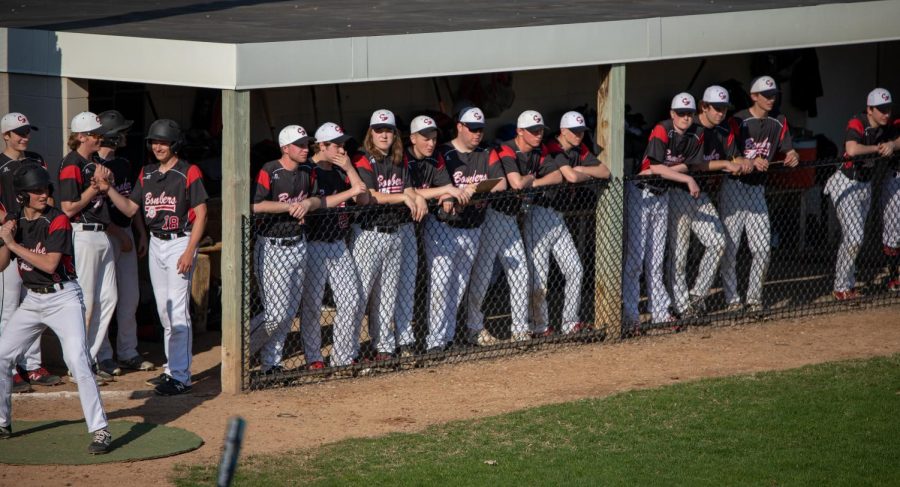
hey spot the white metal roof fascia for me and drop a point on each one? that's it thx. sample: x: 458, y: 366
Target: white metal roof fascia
x: 92, y: 56
x: 298, y: 63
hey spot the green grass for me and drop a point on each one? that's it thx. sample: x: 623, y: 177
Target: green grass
x: 834, y: 424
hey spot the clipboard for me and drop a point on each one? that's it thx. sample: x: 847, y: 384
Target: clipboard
x: 487, y: 185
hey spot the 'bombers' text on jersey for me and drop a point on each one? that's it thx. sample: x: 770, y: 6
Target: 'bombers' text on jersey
x: 385, y: 177
x: 859, y: 131
x: 761, y: 137
x: 275, y: 183
x: 168, y: 198
x: 465, y: 168
x: 50, y: 232
x: 75, y: 175
x: 330, y: 227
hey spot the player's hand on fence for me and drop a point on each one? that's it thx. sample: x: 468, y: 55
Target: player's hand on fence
x: 421, y: 208
x: 760, y: 164
x: 886, y: 149
x: 185, y: 262
x: 462, y: 195
x: 360, y: 188
x: 791, y: 159
x: 8, y: 232
x: 299, y: 210
x: 693, y: 188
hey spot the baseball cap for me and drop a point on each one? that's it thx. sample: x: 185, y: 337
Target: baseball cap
x: 472, y: 117
x: 716, y: 95
x: 293, y: 134
x: 87, y: 122
x: 573, y: 121
x: 423, y: 124
x: 765, y: 85
x: 878, y: 98
x: 14, y: 120
x: 530, y: 119
x: 684, y: 102
x: 383, y: 118
x: 331, y: 132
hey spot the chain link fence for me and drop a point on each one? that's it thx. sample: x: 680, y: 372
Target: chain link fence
x: 364, y: 290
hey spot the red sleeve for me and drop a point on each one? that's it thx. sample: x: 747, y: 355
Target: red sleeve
x: 263, y: 179
x: 441, y: 164
x: 70, y: 183
x: 656, y: 147
x: 194, y: 187
x: 366, y: 172
x: 785, y: 141
x: 494, y: 158
x: 508, y: 160
x: 59, y: 235
x: 855, y: 131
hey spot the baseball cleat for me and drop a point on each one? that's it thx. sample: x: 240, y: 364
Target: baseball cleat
x: 482, y: 338
x: 548, y: 332
x: 317, y: 365
x: 20, y: 385
x: 847, y: 295
x: 155, y: 381
x: 109, y: 366
x: 172, y: 387
x: 101, y: 442
x: 137, y: 363
x: 520, y: 336
x: 41, y: 377
x: 580, y: 327
x: 5, y: 432
x: 894, y: 285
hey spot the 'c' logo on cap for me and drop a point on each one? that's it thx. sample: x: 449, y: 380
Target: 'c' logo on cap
x: 686, y: 102
x: 579, y: 119
x: 22, y: 119
x: 338, y: 129
x: 770, y: 83
x: 721, y: 95
x: 477, y: 116
x: 427, y: 121
x: 301, y: 131
x: 885, y: 97
x: 537, y: 118
x: 383, y: 117
x: 98, y: 119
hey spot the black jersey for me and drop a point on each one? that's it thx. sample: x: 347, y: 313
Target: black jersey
x: 859, y: 131
x: 427, y: 172
x: 761, y: 137
x: 275, y: 183
x: 330, y: 227
x: 569, y: 198
x: 532, y: 163
x: 123, y: 181
x: 50, y: 232
x: 75, y: 173
x: 385, y: 177
x: 168, y: 198
x: 670, y: 148
x: 8, y: 167
x: 466, y: 168
x: 719, y: 144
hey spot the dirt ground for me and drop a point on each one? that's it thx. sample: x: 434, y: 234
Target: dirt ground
x: 310, y: 415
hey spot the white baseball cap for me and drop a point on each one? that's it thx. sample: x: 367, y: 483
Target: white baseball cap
x: 293, y: 134
x: 764, y: 84
x: 422, y: 124
x: 573, y: 121
x: 683, y: 101
x: 879, y: 97
x: 716, y: 95
x: 87, y: 122
x: 331, y: 132
x: 530, y: 119
x: 472, y: 117
x: 383, y: 118
x: 14, y: 120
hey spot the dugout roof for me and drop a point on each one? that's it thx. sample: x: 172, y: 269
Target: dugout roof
x: 247, y: 44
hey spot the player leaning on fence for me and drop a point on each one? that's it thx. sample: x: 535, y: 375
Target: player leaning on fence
x: 869, y: 133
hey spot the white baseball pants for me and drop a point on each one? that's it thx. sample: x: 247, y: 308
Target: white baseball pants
x: 744, y: 208
x: 126, y: 308
x: 500, y: 238
x: 406, y: 287
x: 12, y: 295
x: 891, y: 217
x: 687, y: 214
x: 173, y: 292
x: 645, y: 237
x: 851, y: 200
x: 279, y: 273
x: 95, y: 265
x: 332, y: 263
x: 63, y: 312
x: 546, y: 233
x: 378, y: 257
x: 450, y: 254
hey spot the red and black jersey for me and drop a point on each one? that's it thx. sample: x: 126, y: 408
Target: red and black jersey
x: 276, y: 183
x: 719, y: 144
x: 168, y: 198
x: 466, y: 168
x: 670, y: 148
x: 75, y: 173
x: 50, y: 232
x: 571, y: 199
x: 123, y: 181
x: 534, y: 162
x: 8, y: 167
x: 387, y: 177
x: 860, y: 131
x: 761, y: 137
x: 428, y: 172
x: 330, y: 227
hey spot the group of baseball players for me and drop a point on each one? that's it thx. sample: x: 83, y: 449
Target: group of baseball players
x: 75, y: 262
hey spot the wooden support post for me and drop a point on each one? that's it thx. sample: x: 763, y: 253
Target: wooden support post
x: 235, y: 208
x: 610, y: 214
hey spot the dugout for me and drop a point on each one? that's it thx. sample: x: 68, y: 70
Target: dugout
x: 236, y: 71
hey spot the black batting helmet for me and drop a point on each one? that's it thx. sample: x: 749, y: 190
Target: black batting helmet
x: 30, y: 176
x: 167, y: 130
x: 116, y: 125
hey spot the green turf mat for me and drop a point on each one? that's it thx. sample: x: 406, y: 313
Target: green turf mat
x: 65, y: 443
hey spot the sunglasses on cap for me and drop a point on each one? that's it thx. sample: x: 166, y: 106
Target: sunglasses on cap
x: 22, y: 131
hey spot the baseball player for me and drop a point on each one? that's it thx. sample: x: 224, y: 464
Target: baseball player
x: 742, y: 199
x: 40, y: 240
x: 452, y: 244
x: 850, y: 187
x: 576, y: 164
x: 699, y: 215
x: 284, y: 190
x: 378, y: 239
x: 126, y: 250
x: 674, y: 144
x: 890, y: 236
x: 16, y: 130
x: 89, y: 212
x: 328, y: 260
x: 171, y: 194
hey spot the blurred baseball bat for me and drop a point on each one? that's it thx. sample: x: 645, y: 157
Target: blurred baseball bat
x: 233, y: 439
